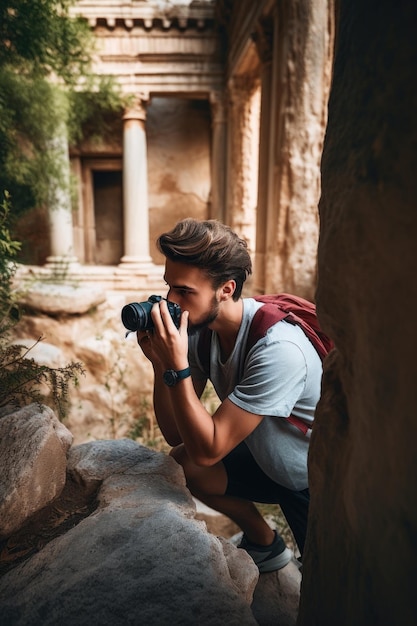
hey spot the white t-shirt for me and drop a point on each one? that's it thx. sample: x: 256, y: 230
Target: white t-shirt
x: 280, y: 376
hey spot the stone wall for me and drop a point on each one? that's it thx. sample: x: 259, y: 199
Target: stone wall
x: 178, y: 135
x: 361, y: 551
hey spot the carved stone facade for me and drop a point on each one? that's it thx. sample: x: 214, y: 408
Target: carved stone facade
x: 227, y: 121
x: 155, y: 167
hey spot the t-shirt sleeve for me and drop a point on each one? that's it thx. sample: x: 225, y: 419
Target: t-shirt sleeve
x: 273, y: 379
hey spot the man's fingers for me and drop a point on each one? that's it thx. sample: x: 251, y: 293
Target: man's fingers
x: 184, y: 322
x: 165, y: 315
x: 142, y: 336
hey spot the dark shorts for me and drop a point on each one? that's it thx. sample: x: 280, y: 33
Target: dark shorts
x: 246, y: 480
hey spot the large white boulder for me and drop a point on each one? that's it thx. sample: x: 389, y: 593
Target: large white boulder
x: 139, y: 557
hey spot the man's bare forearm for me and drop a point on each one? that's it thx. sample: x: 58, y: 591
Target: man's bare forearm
x: 164, y: 411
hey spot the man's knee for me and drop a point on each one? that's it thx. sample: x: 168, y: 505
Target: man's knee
x: 179, y: 454
x: 200, y: 480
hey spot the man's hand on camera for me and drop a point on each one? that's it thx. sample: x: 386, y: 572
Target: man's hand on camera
x: 144, y: 340
x: 169, y: 342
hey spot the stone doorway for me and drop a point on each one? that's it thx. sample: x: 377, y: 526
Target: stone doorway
x: 108, y: 216
x: 102, y: 223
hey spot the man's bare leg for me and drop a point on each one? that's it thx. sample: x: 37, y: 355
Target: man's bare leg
x: 208, y: 484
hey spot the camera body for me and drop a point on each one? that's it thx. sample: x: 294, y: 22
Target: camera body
x: 137, y: 315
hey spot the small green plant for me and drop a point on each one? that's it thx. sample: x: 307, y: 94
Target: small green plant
x: 59, y: 274
x: 115, y: 383
x: 145, y: 429
x: 8, y: 250
x: 22, y: 379
x: 139, y: 427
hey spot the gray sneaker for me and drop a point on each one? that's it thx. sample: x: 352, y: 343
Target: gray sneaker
x: 268, y: 558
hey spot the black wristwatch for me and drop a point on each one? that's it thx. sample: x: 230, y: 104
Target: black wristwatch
x: 171, y: 377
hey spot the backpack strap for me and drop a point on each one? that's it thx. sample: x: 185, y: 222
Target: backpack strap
x: 266, y: 316
x: 298, y: 423
x: 294, y: 310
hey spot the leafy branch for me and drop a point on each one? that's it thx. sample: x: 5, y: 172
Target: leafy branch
x: 22, y: 379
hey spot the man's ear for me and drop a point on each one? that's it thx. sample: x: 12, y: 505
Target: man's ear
x: 227, y: 290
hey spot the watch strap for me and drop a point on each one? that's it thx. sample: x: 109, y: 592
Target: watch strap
x: 171, y: 377
x: 185, y: 373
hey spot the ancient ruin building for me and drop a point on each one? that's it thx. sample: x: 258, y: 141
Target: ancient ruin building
x: 244, y: 85
x: 225, y: 120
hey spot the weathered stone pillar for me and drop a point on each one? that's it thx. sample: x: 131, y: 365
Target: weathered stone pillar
x: 264, y: 42
x: 243, y: 139
x: 299, y: 83
x: 135, y: 188
x: 359, y: 566
x: 218, y: 156
x: 60, y: 210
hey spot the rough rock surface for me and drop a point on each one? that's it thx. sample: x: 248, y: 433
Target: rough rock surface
x: 108, y: 402
x: 121, y: 543
x: 277, y: 594
x: 139, y: 556
x: 61, y: 299
x: 360, y: 561
x: 33, y: 448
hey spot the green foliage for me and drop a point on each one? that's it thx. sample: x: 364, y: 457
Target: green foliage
x: 22, y: 379
x: 140, y: 426
x: 8, y: 250
x: 93, y: 109
x: 38, y: 37
x: 44, y: 58
x: 8, y: 247
x: 144, y: 428
x: 30, y: 113
x: 59, y: 274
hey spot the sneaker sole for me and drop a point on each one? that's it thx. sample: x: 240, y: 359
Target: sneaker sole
x: 278, y: 562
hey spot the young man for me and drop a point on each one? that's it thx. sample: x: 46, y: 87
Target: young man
x: 247, y: 451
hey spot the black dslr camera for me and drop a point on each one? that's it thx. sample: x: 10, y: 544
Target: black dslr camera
x: 137, y: 315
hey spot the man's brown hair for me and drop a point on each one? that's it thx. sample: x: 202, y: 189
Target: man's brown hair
x: 210, y: 246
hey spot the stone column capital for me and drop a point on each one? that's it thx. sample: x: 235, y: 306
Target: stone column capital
x: 240, y: 88
x: 136, y: 109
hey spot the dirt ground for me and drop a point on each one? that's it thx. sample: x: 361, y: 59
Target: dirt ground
x: 73, y: 505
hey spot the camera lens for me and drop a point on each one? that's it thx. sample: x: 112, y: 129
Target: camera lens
x: 136, y: 316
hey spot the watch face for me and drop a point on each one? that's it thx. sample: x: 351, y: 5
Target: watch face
x: 170, y: 377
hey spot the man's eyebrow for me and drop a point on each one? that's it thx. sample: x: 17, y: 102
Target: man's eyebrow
x: 187, y: 287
